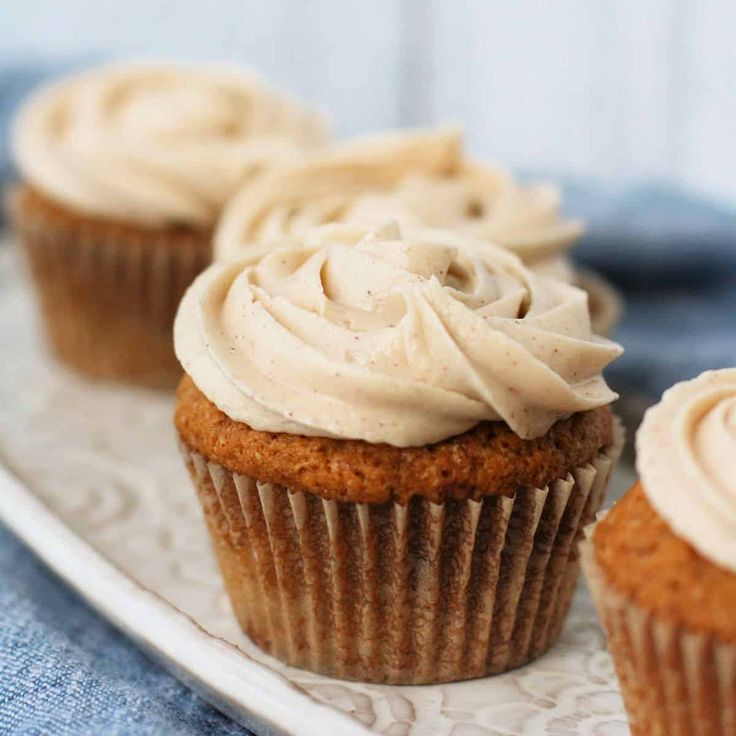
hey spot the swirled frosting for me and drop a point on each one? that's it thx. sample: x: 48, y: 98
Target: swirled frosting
x: 686, y: 449
x: 154, y: 143
x: 370, y: 335
x: 421, y: 179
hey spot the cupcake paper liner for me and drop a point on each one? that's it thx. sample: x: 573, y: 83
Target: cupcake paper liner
x: 674, y: 681
x: 404, y: 594
x: 108, y: 297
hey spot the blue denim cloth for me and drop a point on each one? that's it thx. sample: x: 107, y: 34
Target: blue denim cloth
x: 65, y: 671
x: 673, y: 256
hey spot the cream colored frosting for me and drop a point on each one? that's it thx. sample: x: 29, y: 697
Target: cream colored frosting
x: 370, y: 335
x: 420, y: 179
x: 156, y: 143
x: 686, y: 450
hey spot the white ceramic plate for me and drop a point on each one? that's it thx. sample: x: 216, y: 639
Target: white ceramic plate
x: 93, y: 483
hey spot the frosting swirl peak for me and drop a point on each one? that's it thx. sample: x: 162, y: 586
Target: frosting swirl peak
x: 686, y: 448
x: 419, y: 178
x: 156, y: 143
x: 360, y: 334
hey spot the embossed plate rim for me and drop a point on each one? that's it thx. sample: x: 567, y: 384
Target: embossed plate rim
x: 249, y: 692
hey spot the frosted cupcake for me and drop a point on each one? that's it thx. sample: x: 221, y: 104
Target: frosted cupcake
x: 124, y: 171
x: 396, y: 443
x: 422, y: 179
x: 662, y: 566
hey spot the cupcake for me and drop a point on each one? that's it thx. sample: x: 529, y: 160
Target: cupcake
x: 662, y: 566
x: 424, y: 180
x: 124, y: 171
x: 395, y: 443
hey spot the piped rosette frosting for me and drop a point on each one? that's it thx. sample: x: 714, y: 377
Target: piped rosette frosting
x: 157, y: 143
x: 421, y: 179
x: 354, y: 333
x: 686, y: 458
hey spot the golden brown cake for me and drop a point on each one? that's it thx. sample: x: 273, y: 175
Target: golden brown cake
x: 124, y: 171
x: 665, y: 588
x: 377, y: 513
x: 488, y: 459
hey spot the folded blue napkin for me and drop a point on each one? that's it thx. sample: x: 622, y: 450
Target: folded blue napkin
x: 65, y: 671
x: 673, y: 256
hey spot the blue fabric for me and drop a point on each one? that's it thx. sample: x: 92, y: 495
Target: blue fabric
x: 673, y: 256
x: 65, y: 671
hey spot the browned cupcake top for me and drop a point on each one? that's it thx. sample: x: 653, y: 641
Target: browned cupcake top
x: 642, y: 558
x: 488, y: 459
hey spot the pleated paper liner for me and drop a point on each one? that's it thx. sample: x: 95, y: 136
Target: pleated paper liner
x: 108, y: 295
x: 674, y: 682
x: 410, y: 594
